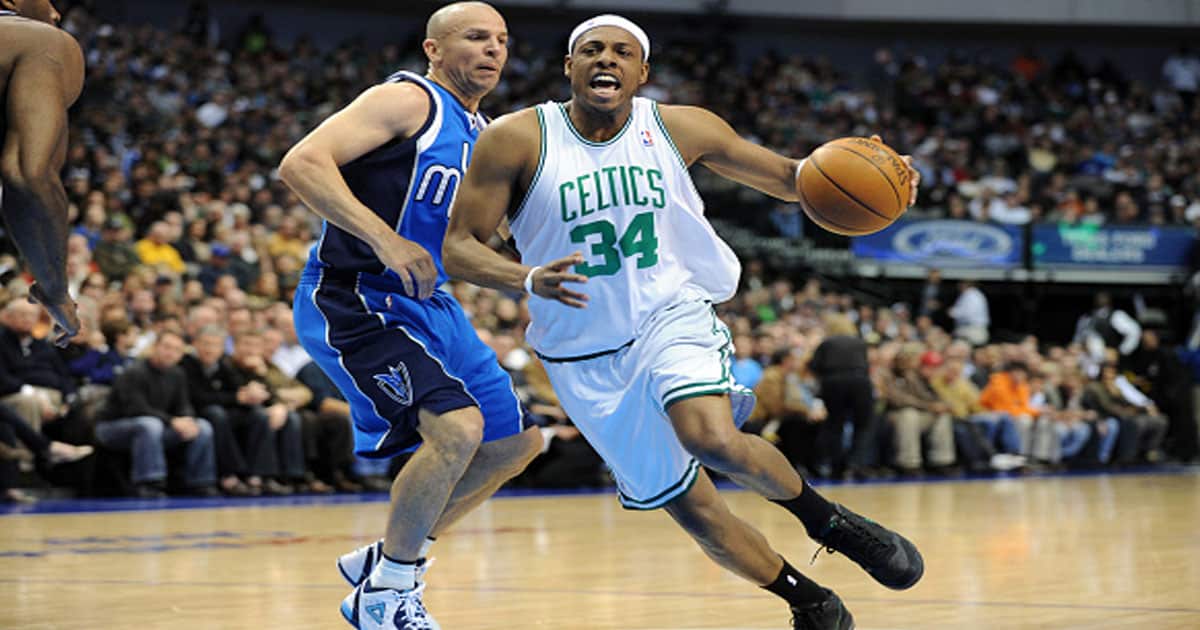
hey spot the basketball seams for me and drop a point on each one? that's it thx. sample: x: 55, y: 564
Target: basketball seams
x: 895, y: 191
x: 811, y: 211
x: 812, y: 159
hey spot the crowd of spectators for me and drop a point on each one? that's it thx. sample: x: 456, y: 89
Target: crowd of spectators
x: 186, y: 249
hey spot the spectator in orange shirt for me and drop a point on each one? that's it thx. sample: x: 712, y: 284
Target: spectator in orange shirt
x: 1009, y: 392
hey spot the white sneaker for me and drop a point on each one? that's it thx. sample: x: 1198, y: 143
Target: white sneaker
x: 358, y: 564
x: 387, y: 609
x: 1004, y: 462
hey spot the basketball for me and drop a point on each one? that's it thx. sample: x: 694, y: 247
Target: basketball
x: 854, y: 186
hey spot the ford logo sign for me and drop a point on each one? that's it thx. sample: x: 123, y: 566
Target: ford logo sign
x: 953, y: 242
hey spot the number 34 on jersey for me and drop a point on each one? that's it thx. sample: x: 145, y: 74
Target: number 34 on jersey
x: 588, y: 195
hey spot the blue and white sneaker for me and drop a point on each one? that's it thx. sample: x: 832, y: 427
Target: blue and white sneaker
x: 370, y: 608
x: 358, y: 564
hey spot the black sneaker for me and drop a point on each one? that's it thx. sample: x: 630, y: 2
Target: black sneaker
x: 889, y: 557
x: 829, y: 614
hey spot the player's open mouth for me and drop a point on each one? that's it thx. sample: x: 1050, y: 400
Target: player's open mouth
x: 605, y: 84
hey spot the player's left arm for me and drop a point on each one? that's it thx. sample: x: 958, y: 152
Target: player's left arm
x: 704, y: 137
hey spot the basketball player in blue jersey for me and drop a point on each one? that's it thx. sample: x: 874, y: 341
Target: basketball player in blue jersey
x: 640, y: 361
x: 383, y: 173
x: 41, y: 75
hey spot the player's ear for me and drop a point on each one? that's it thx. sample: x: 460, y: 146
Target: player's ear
x: 644, y: 75
x: 566, y: 64
x: 430, y: 46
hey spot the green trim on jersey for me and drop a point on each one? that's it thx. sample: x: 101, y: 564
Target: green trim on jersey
x: 536, y: 174
x: 679, y: 154
x: 676, y: 489
x: 663, y: 127
x: 570, y: 125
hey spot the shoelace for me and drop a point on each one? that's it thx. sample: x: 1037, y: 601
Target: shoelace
x: 844, y: 524
x: 415, y: 615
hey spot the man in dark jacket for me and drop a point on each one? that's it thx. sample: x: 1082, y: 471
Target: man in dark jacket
x: 34, y: 380
x: 149, y: 412
x: 241, y: 433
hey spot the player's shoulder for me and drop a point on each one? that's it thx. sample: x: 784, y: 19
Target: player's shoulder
x: 398, y: 93
x: 404, y: 105
x: 684, y: 115
x: 511, y: 140
x: 33, y: 35
x: 519, y: 126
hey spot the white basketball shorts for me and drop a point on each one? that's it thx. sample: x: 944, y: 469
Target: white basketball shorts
x: 619, y: 400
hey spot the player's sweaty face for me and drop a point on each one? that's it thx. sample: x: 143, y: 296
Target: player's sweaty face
x: 606, y: 67
x: 40, y: 10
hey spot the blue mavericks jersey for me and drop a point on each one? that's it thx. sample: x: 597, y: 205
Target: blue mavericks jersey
x: 410, y: 183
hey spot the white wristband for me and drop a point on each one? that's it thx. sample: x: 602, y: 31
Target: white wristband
x: 529, y: 279
x: 799, y: 166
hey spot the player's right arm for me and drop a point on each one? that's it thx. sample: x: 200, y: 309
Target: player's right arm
x: 311, y: 170
x: 506, y: 153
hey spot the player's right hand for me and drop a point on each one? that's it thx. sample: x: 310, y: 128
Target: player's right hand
x: 412, y: 263
x: 548, y: 281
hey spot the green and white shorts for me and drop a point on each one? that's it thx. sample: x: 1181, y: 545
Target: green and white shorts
x: 619, y: 400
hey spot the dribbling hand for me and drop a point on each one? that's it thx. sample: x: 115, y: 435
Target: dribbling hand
x: 548, y: 281
x: 66, y: 320
x: 412, y: 263
x: 916, y: 175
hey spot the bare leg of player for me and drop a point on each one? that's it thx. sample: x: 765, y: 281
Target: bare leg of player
x: 494, y: 464
x: 738, y: 547
x: 705, y: 427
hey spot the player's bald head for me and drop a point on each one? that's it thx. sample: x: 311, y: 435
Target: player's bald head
x: 453, y: 17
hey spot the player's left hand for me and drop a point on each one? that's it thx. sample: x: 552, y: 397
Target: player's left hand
x: 66, y: 320
x: 548, y: 281
x: 916, y: 175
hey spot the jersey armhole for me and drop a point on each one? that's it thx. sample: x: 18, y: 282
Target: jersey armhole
x: 678, y: 155
x: 433, y: 105
x: 536, y: 174
x: 666, y: 134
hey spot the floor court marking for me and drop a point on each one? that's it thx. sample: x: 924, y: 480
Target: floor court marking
x: 606, y: 592
x: 98, y: 505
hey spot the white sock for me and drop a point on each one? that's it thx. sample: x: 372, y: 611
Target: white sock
x: 392, y: 574
x: 424, y: 553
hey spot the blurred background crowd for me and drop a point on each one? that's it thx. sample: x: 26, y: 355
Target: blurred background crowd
x: 186, y: 249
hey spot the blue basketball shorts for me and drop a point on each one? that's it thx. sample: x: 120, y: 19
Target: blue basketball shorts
x: 391, y: 356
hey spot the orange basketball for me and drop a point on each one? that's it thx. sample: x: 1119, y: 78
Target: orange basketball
x: 854, y: 186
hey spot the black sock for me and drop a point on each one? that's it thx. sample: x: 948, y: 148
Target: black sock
x: 798, y: 590
x: 811, y: 508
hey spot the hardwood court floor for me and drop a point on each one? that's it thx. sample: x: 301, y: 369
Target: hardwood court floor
x: 1055, y: 552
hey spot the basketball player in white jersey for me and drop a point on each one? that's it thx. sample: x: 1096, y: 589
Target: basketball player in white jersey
x: 637, y: 355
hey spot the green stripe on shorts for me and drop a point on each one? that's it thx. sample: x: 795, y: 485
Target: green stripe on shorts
x: 666, y: 496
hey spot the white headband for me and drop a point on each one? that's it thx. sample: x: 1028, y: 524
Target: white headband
x: 611, y: 20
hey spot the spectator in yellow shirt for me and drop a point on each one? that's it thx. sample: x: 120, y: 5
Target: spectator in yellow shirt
x: 155, y: 250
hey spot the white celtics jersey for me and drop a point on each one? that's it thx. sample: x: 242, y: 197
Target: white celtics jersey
x: 630, y: 206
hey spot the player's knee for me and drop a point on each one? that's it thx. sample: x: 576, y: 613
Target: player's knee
x: 457, y: 433
x: 715, y: 449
